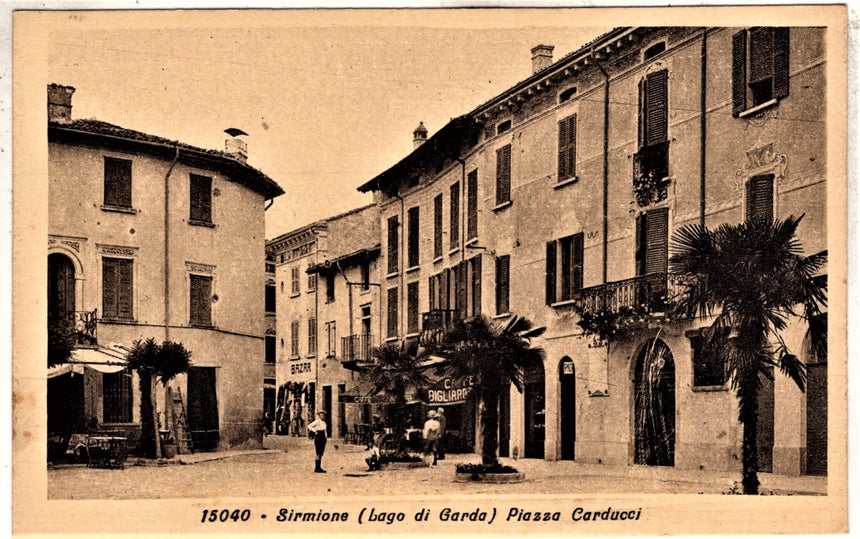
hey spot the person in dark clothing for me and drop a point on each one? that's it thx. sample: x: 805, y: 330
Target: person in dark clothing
x: 318, y: 429
x: 440, y: 417
x: 377, y: 429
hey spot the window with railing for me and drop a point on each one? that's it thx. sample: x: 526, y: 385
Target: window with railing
x: 652, y: 159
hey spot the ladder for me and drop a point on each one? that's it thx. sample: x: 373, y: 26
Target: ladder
x: 180, y: 424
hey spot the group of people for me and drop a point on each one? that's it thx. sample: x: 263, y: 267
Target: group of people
x: 434, y: 429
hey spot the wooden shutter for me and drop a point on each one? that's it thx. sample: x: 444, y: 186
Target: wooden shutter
x: 640, y: 244
x: 125, y: 296
x: 454, y: 217
x: 759, y: 192
x: 200, y: 303
x: 657, y: 115
x: 393, y: 244
x: 117, y: 182
x: 431, y: 293
x: 739, y: 73
x: 503, y: 272
x: 780, y: 62
x: 412, y: 306
x: 472, y: 205
x: 550, y: 272
x: 413, y: 254
x: 437, y: 226
x: 392, y: 312
x: 503, y: 174
x: 566, y: 259
x: 562, y: 149
x: 109, y: 287
x: 462, y: 300
x: 576, y: 263
x: 760, y: 54
x: 640, y: 133
x: 656, y: 241
x: 571, y: 146
x: 476, y: 285
x: 567, y: 148
x: 201, y: 199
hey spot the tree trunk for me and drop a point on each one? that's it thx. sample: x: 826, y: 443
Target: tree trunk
x: 748, y: 416
x: 490, y: 426
x: 147, y: 420
x: 152, y: 396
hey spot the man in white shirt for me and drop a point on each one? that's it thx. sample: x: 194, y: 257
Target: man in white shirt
x: 318, y: 428
x: 431, y: 435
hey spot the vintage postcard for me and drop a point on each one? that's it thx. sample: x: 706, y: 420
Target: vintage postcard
x: 455, y: 271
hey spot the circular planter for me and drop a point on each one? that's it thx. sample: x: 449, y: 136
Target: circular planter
x: 404, y: 465
x: 467, y: 477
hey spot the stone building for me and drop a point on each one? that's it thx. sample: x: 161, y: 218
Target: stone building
x: 150, y: 237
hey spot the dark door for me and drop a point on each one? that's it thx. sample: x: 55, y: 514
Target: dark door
x: 816, y: 419
x: 505, y: 423
x: 61, y: 288
x: 341, y: 411
x: 567, y: 377
x: 654, y: 405
x: 765, y: 423
x: 534, y: 412
x: 327, y: 408
x: 203, y: 408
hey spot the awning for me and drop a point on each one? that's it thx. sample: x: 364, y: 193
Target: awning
x: 441, y: 389
x: 103, y: 359
x: 363, y: 394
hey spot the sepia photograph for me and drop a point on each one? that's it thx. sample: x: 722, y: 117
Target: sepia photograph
x: 497, y: 271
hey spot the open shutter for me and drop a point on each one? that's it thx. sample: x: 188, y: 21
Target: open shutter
x: 437, y: 226
x: 109, y: 288
x: 125, y: 296
x: 550, y: 272
x: 640, y: 133
x: 657, y: 116
x: 577, y: 256
x: 431, y: 291
x: 657, y: 241
x: 739, y: 73
x: 640, y: 245
x: 780, y: 63
x: 476, y: 285
x: 194, y: 301
x: 461, y: 289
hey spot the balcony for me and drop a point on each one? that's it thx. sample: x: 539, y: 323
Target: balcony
x: 649, y: 294
x: 79, y: 325
x: 436, y: 323
x: 356, y: 349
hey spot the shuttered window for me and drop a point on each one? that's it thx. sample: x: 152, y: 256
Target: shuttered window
x: 393, y: 244
x: 201, y: 199
x: 312, y: 282
x: 564, y: 261
x: 475, y: 286
x: 567, y: 148
x: 503, y: 175
x: 454, y: 217
x: 294, y: 281
x: 503, y: 284
x: 652, y: 242
x: 460, y: 300
x: 472, y: 205
x: 200, y: 300
x: 117, y: 288
x: 551, y: 272
x: 653, y: 108
x: 294, y: 338
x: 116, y: 397
x: 413, y: 254
x: 117, y: 188
x: 437, y: 226
x: 759, y: 198
x: 412, y: 307
x: 312, y: 337
x: 392, y: 312
x: 431, y: 293
x: 759, y: 67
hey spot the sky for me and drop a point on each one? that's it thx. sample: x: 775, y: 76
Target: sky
x: 327, y: 103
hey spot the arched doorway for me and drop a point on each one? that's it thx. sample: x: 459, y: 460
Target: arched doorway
x: 535, y: 413
x: 61, y: 288
x: 654, y: 406
x: 567, y: 383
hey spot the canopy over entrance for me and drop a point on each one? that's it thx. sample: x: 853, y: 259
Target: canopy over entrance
x: 102, y: 359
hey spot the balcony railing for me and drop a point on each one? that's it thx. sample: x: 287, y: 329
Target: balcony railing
x: 435, y: 323
x: 80, y: 325
x: 355, y: 348
x: 652, y: 293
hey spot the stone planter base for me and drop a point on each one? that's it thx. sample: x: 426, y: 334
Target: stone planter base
x: 465, y: 477
x: 404, y: 465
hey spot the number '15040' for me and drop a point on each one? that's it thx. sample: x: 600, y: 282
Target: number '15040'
x: 236, y: 515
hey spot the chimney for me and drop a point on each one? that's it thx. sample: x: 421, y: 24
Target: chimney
x: 235, y: 146
x: 419, y: 136
x: 60, y: 103
x: 541, y: 57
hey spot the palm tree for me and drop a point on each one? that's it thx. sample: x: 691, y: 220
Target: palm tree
x: 154, y: 362
x: 754, y: 276
x: 394, y: 370
x: 495, y: 355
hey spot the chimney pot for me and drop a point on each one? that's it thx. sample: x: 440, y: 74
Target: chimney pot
x: 541, y: 57
x: 237, y: 148
x: 60, y: 103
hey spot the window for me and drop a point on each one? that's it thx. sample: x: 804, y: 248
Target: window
x: 567, y: 148
x: 759, y: 198
x: 329, y: 288
x: 653, y: 155
x: 294, y: 281
x: 412, y: 239
x: 454, y: 217
x: 653, y: 50
x: 200, y: 304
x: 503, y: 284
x: 365, y: 275
x: 117, y: 288
x: 294, y: 338
x: 116, y: 397
x: 652, y: 242
x: 474, y: 265
x: 270, y: 297
x: 503, y: 127
x: 432, y: 298
x: 566, y: 95
x: 759, y: 67
x: 708, y: 365
x: 331, y: 339
x: 312, y: 282
x: 201, y: 199
x: 393, y: 244
x: 117, y: 182
x: 412, y: 307
x: 437, y: 226
x: 312, y: 337
x: 472, y: 205
x: 270, y: 348
x: 392, y: 312
x: 503, y: 175
x: 564, y: 269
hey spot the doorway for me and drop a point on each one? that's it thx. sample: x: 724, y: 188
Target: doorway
x: 535, y: 412
x: 61, y: 288
x: 654, y: 405
x: 567, y: 383
x: 327, y: 408
x: 203, y: 408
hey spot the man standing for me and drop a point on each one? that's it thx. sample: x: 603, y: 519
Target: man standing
x: 317, y: 430
x: 440, y: 416
x: 431, y: 435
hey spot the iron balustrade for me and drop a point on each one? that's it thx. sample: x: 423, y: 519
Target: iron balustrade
x: 80, y: 325
x: 653, y: 293
x: 436, y: 323
x: 356, y: 348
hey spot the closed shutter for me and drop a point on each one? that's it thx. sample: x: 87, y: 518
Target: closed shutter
x: 201, y: 199
x: 413, y: 254
x: 312, y: 336
x: 462, y: 300
x: 472, y: 203
x: 739, y: 73
x: 759, y: 193
x: 640, y: 132
x: 503, y: 174
x: 412, y: 306
x: 550, y: 272
x: 444, y: 303
x: 454, y: 217
x: 565, y: 245
x: 200, y: 303
x: 576, y: 263
x: 571, y: 146
x: 657, y: 117
x: 640, y: 244
x: 760, y: 54
x: 567, y: 148
x: 125, y: 299
x: 503, y: 284
x: 392, y: 312
x: 656, y: 241
x: 393, y: 244
x: 780, y: 62
x: 562, y: 149
x: 437, y: 226
x: 431, y: 293
x: 476, y: 285
x: 109, y: 287
x: 117, y: 182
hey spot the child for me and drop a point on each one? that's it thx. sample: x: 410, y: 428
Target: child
x: 318, y: 428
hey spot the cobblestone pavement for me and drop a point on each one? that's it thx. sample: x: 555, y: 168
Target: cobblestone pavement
x: 289, y: 472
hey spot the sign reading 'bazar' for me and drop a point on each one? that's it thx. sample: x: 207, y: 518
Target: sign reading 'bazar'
x: 450, y: 390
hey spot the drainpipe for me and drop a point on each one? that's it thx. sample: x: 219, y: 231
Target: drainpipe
x: 703, y: 127
x: 605, y: 164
